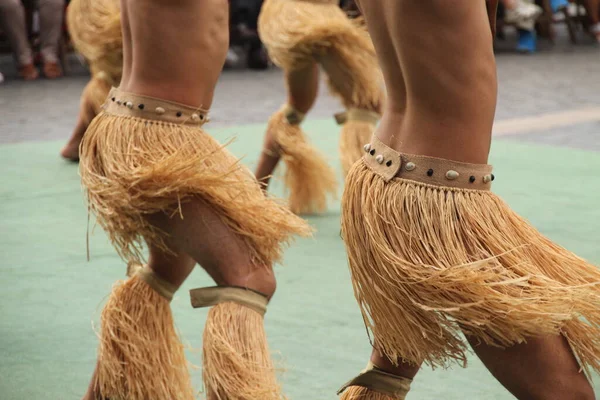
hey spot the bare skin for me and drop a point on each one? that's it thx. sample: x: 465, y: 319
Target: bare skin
x: 440, y: 73
x: 180, y: 48
x: 71, y: 150
x: 303, y: 87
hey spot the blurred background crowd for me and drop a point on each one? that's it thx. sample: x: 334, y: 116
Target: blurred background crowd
x: 35, y: 34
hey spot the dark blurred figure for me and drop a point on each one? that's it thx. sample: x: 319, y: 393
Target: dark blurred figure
x: 243, y: 26
x: 14, y: 25
x: 593, y: 11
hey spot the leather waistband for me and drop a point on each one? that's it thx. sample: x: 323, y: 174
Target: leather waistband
x: 389, y: 163
x: 135, y: 105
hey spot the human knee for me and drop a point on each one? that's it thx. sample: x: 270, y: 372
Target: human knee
x: 262, y: 280
x: 259, y: 278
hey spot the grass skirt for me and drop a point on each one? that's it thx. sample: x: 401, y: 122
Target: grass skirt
x: 300, y: 33
x: 140, y: 355
x: 236, y: 359
x: 95, y: 29
x: 133, y: 166
x: 429, y: 261
x: 308, y: 178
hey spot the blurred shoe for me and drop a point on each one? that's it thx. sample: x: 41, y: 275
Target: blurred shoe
x: 596, y: 32
x: 524, y: 15
x: 52, y: 70
x: 28, y: 72
x: 527, y: 42
x: 1, y: 77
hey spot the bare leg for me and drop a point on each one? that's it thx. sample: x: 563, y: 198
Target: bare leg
x: 543, y: 368
x: 303, y: 86
x: 86, y: 113
x: 176, y: 53
x: 71, y: 150
x: 430, y: 112
x: 186, y: 71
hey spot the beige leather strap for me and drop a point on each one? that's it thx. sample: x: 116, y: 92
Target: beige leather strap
x: 389, y: 163
x: 357, y: 114
x: 293, y: 116
x: 210, y: 296
x: 162, y: 287
x: 380, y: 381
x: 135, y: 105
x: 133, y: 268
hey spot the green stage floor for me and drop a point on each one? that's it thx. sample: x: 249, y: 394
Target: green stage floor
x: 50, y: 294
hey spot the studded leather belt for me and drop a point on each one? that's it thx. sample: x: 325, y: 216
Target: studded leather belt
x: 389, y: 163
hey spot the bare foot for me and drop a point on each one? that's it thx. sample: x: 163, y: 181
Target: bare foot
x: 71, y: 150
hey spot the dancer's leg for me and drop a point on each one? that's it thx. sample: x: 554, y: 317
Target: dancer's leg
x: 303, y: 87
x: 176, y: 53
x: 438, y: 120
x: 542, y: 368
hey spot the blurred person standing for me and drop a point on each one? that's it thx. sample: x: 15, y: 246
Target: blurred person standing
x: 593, y: 11
x: 12, y: 21
x: 523, y: 14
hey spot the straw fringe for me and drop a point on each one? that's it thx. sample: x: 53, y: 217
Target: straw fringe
x: 237, y: 364
x: 132, y: 168
x: 308, y: 177
x: 140, y: 356
x: 362, y: 393
x: 428, y: 262
x: 355, y: 134
x: 299, y: 33
x: 95, y: 29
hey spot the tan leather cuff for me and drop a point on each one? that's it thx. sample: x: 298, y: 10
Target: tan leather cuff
x: 357, y: 114
x: 293, y: 116
x: 389, y: 163
x: 160, y: 286
x: 380, y: 381
x: 211, y: 296
x: 135, y: 105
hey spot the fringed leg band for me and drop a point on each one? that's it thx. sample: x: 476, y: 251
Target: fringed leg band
x: 375, y: 384
x: 358, y: 126
x: 236, y: 360
x: 433, y: 252
x: 140, y: 356
x: 308, y: 177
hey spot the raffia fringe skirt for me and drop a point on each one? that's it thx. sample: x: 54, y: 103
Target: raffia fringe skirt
x: 298, y: 33
x: 141, y: 156
x: 95, y: 28
x: 433, y: 252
